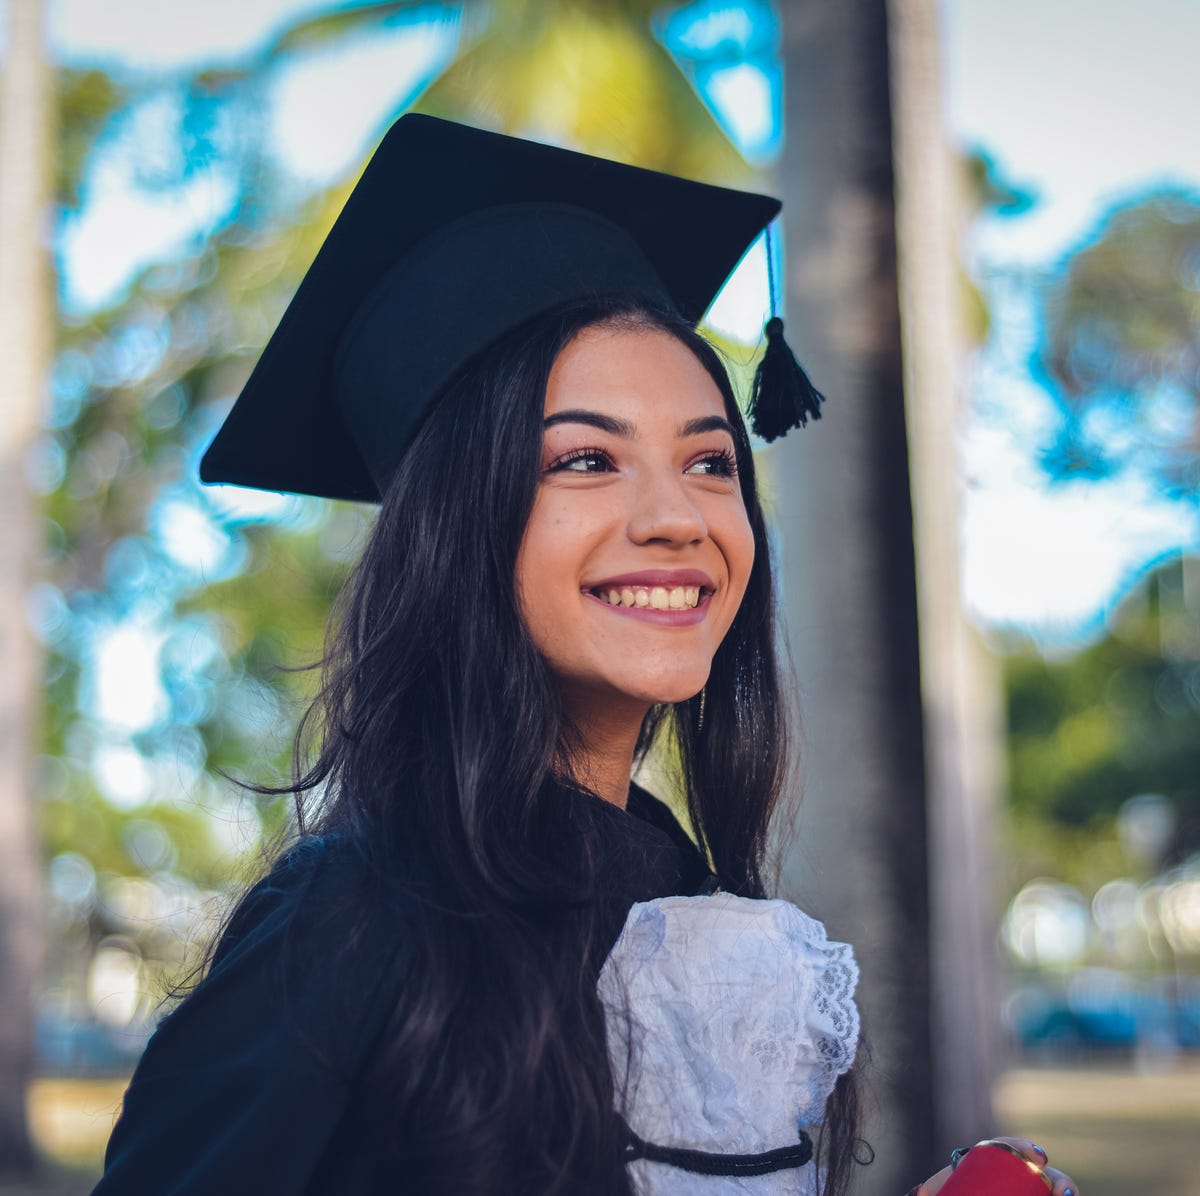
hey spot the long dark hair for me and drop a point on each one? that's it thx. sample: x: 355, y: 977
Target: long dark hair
x: 442, y: 752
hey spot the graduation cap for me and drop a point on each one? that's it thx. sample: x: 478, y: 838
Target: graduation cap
x: 452, y: 237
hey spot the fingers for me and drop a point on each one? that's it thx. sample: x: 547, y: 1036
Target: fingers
x: 1064, y: 1185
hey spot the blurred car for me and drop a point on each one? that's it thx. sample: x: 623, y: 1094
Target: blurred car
x: 1101, y: 1009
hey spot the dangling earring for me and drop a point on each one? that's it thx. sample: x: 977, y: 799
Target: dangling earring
x: 700, y: 714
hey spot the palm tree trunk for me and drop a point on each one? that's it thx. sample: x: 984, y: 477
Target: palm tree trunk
x: 859, y: 857
x: 959, y: 680
x: 900, y: 703
x: 25, y: 121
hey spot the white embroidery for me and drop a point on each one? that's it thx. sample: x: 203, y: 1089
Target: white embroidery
x: 729, y: 1020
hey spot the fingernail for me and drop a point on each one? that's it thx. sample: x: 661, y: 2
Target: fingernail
x: 1069, y: 1192
x: 1045, y: 1156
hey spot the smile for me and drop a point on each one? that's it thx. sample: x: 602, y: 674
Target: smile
x: 651, y: 597
x: 662, y: 597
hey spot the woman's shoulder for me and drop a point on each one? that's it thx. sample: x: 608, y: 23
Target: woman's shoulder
x: 321, y: 885
x: 244, y: 1083
x: 325, y: 940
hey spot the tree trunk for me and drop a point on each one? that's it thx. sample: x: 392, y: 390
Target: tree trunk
x: 858, y: 859
x: 959, y: 681
x: 25, y: 120
x: 900, y: 765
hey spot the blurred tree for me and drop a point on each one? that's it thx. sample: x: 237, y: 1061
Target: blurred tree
x: 589, y: 74
x: 982, y: 189
x: 26, y: 124
x: 1120, y: 718
x: 1121, y: 348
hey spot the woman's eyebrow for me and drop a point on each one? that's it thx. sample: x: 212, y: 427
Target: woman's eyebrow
x: 627, y: 430
x: 708, y: 423
x: 594, y: 419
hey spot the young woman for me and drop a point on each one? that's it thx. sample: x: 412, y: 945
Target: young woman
x: 490, y: 964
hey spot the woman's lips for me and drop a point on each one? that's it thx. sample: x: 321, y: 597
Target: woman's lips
x: 656, y: 577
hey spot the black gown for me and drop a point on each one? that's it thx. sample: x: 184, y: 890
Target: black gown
x: 250, y: 1085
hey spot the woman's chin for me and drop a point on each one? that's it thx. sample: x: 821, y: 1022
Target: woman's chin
x: 666, y: 693
x: 629, y: 696
x: 686, y: 694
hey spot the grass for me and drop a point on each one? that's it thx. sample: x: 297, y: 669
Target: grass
x: 1115, y: 1130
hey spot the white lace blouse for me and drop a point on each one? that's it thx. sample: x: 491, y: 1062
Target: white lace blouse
x: 728, y: 1022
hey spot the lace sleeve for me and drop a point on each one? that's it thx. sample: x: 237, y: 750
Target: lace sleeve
x: 729, y: 1021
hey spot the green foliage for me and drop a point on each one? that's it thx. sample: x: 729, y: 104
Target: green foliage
x: 984, y: 189
x: 1117, y: 719
x: 988, y: 190
x: 136, y: 392
x: 588, y: 75
x: 87, y: 100
x: 318, y: 31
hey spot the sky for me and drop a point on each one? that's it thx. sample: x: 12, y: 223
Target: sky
x: 1087, y: 104
x: 1082, y: 103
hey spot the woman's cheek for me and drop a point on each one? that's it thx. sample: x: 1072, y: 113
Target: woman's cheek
x: 739, y: 557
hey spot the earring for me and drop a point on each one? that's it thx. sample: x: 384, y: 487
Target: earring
x: 700, y: 713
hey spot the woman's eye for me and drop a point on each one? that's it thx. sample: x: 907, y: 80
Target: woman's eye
x: 716, y: 465
x: 582, y: 461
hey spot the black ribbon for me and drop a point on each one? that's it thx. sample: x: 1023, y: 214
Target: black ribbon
x: 703, y: 1162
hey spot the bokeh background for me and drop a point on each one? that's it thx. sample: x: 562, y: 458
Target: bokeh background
x: 994, y: 206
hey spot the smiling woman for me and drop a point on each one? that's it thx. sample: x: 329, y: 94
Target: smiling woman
x: 490, y: 963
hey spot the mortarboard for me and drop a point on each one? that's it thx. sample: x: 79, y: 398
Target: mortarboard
x: 452, y: 237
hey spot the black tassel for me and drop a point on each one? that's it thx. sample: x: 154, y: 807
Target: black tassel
x: 783, y: 398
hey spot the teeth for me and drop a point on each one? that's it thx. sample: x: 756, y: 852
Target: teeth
x: 652, y: 597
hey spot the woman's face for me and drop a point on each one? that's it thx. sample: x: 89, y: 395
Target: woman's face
x: 638, y: 548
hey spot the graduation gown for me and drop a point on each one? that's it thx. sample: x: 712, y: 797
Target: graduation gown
x: 251, y: 1085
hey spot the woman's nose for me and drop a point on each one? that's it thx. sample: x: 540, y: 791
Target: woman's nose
x: 665, y: 511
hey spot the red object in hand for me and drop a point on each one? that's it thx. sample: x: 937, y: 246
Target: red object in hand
x: 997, y: 1169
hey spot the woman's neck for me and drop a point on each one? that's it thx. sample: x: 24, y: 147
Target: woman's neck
x: 609, y: 737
